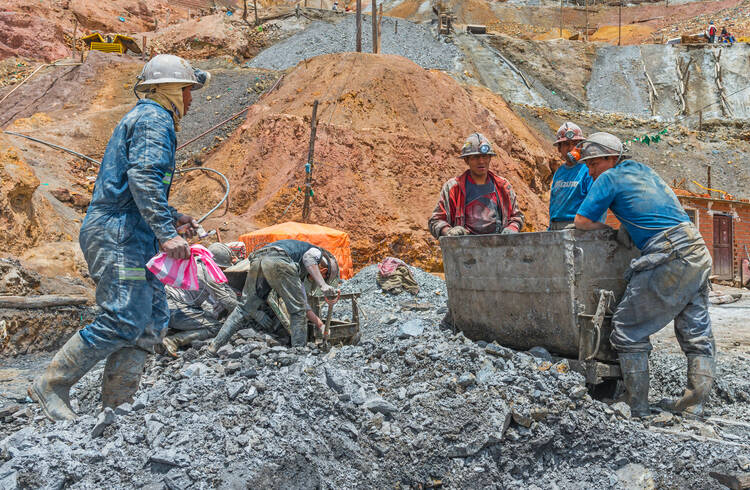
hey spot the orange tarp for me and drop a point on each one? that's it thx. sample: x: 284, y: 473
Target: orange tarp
x: 335, y: 241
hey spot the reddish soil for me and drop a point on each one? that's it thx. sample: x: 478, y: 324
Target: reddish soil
x: 387, y: 140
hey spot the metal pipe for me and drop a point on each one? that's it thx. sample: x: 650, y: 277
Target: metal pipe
x: 52, y: 145
x: 226, y: 185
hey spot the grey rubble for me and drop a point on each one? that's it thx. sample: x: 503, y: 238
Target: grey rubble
x: 394, y: 410
x: 411, y: 41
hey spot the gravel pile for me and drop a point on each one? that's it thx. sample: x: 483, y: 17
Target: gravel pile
x: 411, y: 405
x: 412, y: 41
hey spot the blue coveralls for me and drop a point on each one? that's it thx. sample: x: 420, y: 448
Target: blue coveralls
x: 670, y: 279
x: 127, y: 219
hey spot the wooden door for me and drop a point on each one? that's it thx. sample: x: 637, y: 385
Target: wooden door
x: 723, y: 246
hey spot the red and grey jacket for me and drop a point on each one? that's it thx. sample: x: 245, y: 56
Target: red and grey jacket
x: 449, y: 210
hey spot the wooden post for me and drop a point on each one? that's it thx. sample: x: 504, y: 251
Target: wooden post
x: 244, y: 10
x: 143, y: 48
x: 380, y: 26
x: 395, y: 28
x: 255, y: 8
x: 310, y: 158
x: 75, y: 31
x: 374, y: 26
x: 561, y: 19
x: 619, y: 24
x: 359, y: 26
x: 586, y: 4
x: 708, y: 178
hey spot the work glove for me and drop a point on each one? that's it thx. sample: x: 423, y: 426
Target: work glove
x: 508, y: 231
x: 176, y: 248
x: 571, y: 226
x: 457, y: 231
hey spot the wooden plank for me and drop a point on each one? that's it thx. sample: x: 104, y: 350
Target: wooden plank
x: 43, y: 301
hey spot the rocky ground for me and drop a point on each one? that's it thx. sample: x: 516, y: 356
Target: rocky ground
x: 398, y: 36
x: 458, y: 413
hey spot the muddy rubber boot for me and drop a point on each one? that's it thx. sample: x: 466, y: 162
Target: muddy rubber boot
x: 700, y: 379
x: 233, y: 323
x: 122, y: 375
x: 298, y: 329
x: 52, y: 389
x: 173, y: 342
x: 634, y: 366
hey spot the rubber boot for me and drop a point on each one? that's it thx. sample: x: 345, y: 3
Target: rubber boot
x: 52, y: 389
x: 700, y: 379
x: 298, y: 329
x: 173, y: 342
x: 634, y: 366
x: 233, y: 323
x: 122, y: 375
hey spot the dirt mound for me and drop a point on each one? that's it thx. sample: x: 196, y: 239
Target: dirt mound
x: 209, y: 36
x: 631, y: 34
x: 105, y: 16
x: 553, y: 34
x: 387, y: 140
x: 30, y: 36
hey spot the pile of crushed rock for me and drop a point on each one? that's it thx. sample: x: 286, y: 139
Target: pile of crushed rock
x: 398, y: 36
x: 411, y: 405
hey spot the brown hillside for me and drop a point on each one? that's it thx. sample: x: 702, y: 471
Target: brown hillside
x: 388, y: 137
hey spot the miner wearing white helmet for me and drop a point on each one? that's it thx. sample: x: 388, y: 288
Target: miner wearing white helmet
x: 571, y: 181
x: 477, y: 202
x: 126, y: 224
x: 668, y: 282
x: 199, y: 314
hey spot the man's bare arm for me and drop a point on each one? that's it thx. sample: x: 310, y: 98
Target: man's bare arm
x: 583, y: 223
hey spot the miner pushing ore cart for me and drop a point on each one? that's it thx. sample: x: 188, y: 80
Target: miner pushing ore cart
x: 583, y: 293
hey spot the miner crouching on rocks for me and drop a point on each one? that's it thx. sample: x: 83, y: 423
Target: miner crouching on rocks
x: 668, y: 282
x: 571, y: 181
x: 195, y: 315
x: 281, y: 266
x: 477, y: 202
x: 127, y: 222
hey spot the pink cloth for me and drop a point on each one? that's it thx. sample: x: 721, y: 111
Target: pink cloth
x: 389, y: 266
x: 183, y: 273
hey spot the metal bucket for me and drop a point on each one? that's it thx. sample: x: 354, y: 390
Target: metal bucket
x: 536, y: 289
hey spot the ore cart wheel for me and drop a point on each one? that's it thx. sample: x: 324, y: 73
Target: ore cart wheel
x: 607, y: 389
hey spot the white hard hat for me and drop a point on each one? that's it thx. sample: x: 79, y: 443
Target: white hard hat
x: 476, y: 144
x: 168, y: 68
x: 601, y: 145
